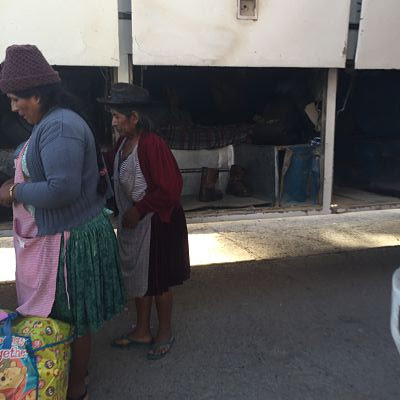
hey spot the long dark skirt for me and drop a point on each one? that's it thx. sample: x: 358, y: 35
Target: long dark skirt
x: 169, y: 263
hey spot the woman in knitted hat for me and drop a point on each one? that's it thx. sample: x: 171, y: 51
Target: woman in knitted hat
x: 67, y: 263
x: 152, y: 232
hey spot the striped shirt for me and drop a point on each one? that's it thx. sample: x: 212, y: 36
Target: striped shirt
x: 140, y: 185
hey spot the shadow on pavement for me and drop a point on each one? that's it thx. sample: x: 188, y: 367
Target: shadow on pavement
x: 313, y: 327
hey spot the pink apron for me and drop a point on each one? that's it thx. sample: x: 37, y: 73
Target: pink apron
x: 37, y: 259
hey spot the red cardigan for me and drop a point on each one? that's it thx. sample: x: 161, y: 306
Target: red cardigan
x: 163, y: 178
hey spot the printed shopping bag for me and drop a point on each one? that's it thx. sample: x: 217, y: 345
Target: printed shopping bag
x: 19, y: 377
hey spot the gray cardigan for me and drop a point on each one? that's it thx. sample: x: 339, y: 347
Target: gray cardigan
x: 61, y: 159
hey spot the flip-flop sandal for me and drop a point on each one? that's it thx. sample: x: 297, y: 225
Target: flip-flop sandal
x: 126, y: 341
x: 85, y: 396
x: 154, y: 355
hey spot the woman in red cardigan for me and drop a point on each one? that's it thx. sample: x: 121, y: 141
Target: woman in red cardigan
x: 152, y: 232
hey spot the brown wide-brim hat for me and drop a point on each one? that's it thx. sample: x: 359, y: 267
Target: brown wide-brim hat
x: 25, y: 68
x: 126, y: 95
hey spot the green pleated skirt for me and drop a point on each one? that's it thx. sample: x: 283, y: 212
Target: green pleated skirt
x: 94, y: 290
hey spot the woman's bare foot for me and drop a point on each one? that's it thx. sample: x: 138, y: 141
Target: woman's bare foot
x: 134, y: 338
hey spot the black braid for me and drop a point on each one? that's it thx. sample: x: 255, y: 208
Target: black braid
x: 55, y: 95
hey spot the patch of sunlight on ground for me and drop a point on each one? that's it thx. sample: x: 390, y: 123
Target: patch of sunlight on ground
x: 205, y: 248
x: 7, y: 264
x: 215, y: 248
x: 360, y: 240
x: 212, y: 248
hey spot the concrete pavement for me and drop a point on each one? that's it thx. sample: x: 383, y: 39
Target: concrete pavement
x: 266, y: 239
x: 291, y: 308
x: 303, y: 328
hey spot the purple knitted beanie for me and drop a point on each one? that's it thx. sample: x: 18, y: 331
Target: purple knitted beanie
x: 24, y: 68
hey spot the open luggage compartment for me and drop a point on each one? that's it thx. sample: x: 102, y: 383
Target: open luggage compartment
x: 268, y: 121
x: 367, y: 141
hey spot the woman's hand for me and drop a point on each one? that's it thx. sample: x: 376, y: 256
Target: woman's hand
x: 131, y: 218
x: 5, y: 198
